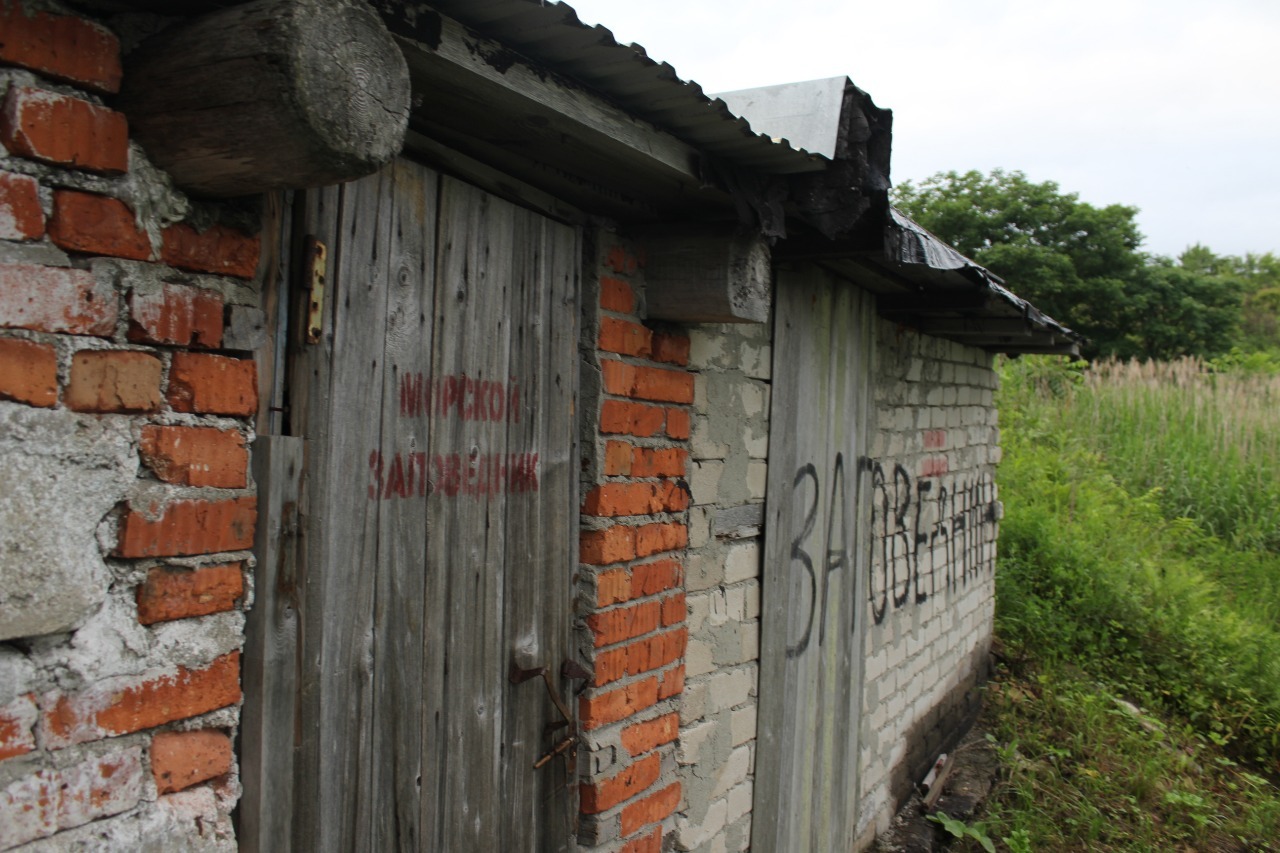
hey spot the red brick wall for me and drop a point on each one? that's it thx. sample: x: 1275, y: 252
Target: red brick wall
x: 130, y: 716
x: 634, y: 534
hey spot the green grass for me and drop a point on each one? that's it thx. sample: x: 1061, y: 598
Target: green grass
x: 1133, y: 573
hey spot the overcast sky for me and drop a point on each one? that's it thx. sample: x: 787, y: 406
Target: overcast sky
x: 1172, y: 106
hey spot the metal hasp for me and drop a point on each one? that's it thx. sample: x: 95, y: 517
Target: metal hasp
x: 317, y: 255
x: 568, y: 669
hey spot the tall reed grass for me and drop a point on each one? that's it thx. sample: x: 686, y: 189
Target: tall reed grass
x: 1140, y: 533
x: 1208, y: 442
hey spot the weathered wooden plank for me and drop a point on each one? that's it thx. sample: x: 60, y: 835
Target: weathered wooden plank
x: 468, y: 542
x: 341, y: 533
x: 460, y: 63
x: 536, y: 812
x: 270, y: 668
x: 811, y: 627
x: 270, y: 355
x: 405, y: 268
x: 309, y: 392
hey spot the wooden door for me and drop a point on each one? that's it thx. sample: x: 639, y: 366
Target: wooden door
x: 814, y: 589
x: 437, y: 521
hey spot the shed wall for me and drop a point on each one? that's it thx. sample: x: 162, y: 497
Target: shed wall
x: 728, y: 473
x: 931, y: 588
x: 126, y: 402
x: 635, y: 423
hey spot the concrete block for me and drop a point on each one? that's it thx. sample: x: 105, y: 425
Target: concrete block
x: 742, y: 562
x: 756, y: 360
x: 700, y: 525
x: 706, y: 347
x: 739, y: 800
x: 698, y: 605
x: 754, y: 398
x: 692, y: 740
x: 702, y: 445
x: 704, y: 571
x: 757, y: 478
x: 752, y: 603
x: 704, y: 480
x: 729, y: 689
x: 62, y: 473
x: 699, y: 658
x: 755, y: 439
x: 742, y: 725
x: 693, y: 705
x: 694, y: 834
x: 734, y: 772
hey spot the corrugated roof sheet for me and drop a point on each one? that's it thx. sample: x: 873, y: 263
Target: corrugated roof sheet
x: 552, y: 33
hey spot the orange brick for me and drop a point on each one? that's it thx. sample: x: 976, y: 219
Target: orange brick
x: 623, y: 623
x: 187, y: 528
x: 653, y: 538
x: 651, y: 843
x: 21, y: 217
x: 621, y: 787
x: 617, y: 458
x: 60, y: 46
x: 98, y: 225
x: 173, y: 593
x: 664, y: 462
x: 616, y: 295
x: 612, y: 587
x: 671, y: 348
x: 620, y: 417
x: 17, y: 727
x: 615, y: 544
x: 651, y: 809
x: 672, y: 683
x: 107, y: 709
x: 65, y: 131
x: 677, y: 423
x: 656, y: 652
x: 618, y: 499
x: 176, y: 316
x: 647, y: 383
x: 615, y: 705
x: 651, y: 734
x: 182, y: 759
x: 218, y: 249
x: 114, y: 381
x: 673, y: 610
x: 624, y: 337
x: 56, y: 299
x: 656, y: 577
x: 196, y: 456
x: 610, y: 666
x: 620, y: 260
x: 213, y: 384
x: 28, y: 372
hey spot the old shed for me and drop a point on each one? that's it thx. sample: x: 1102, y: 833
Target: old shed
x: 438, y: 426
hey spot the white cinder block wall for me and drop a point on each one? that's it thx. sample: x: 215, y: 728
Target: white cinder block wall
x: 935, y: 517
x: 727, y: 475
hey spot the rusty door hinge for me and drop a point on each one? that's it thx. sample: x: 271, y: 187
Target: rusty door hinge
x: 317, y: 255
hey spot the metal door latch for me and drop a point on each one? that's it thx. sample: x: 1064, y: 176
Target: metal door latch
x: 568, y: 669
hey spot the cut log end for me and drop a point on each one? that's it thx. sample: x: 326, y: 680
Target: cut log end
x: 274, y: 94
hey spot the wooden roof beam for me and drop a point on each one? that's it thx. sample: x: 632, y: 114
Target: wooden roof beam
x: 487, y: 90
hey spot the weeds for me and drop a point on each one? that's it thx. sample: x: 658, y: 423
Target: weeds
x: 1138, y: 592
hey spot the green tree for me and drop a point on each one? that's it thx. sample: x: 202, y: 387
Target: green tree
x: 1082, y: 264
